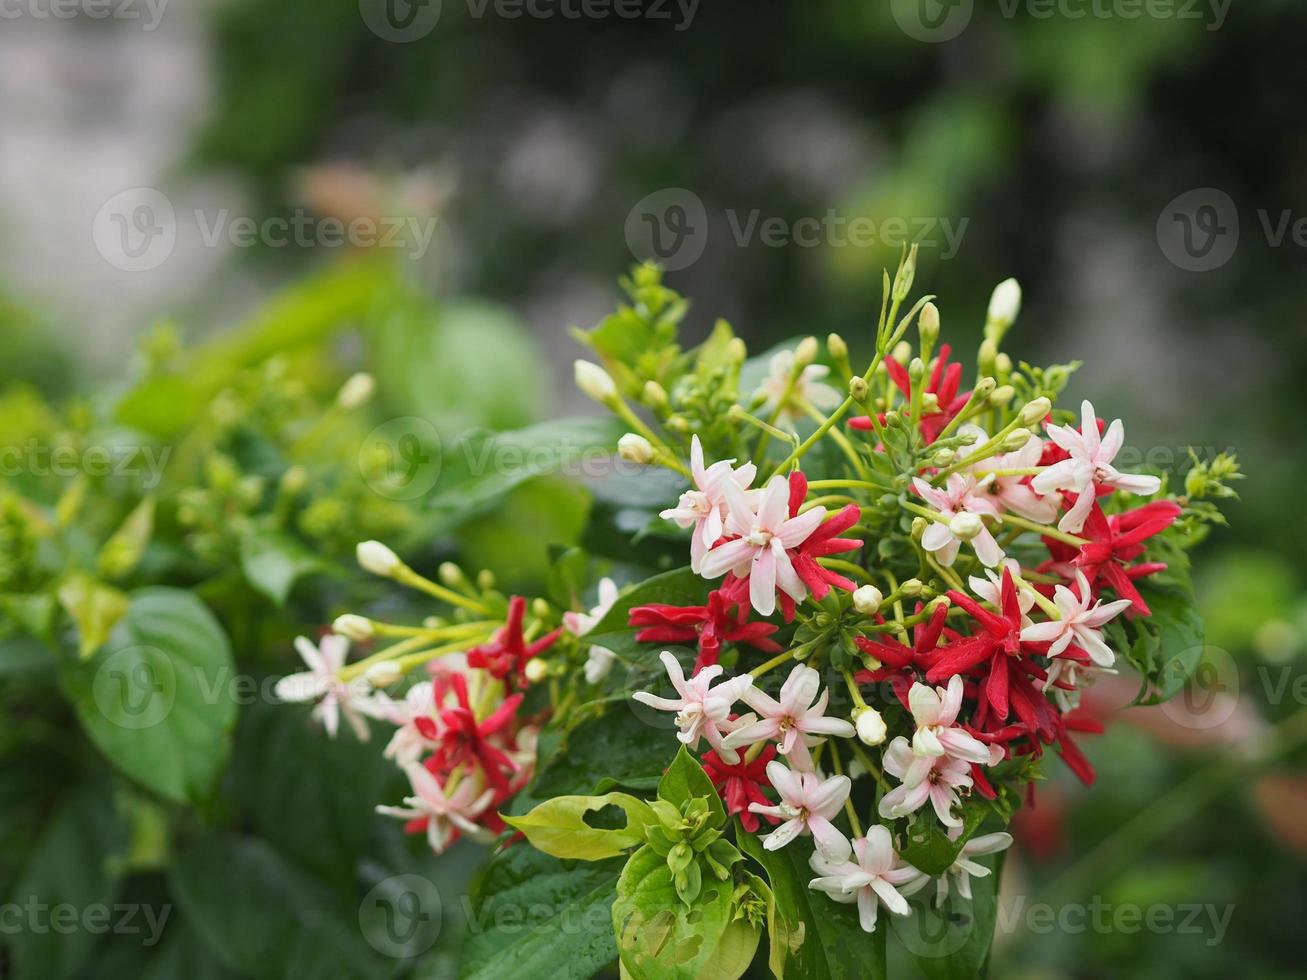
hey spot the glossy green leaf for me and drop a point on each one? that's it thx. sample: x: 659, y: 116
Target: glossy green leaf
x: 685, y: 780
x: 558, y: 826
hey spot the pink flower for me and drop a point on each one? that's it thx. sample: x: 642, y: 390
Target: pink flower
x: 799, y: 713
x: 446, y: 813
x: 1089, y: 466
x: 599, y: 660
x: 808, y: 804
x: 960, y: 495
x: 322, y: 683
x: 701, y: 710
x: 760, y: 552
x: 871, y: 878
x: 931, y: 778
x: 934, y: 709
x: 704, y: 508
x: 1014, y: 493
x: 1081, y: 620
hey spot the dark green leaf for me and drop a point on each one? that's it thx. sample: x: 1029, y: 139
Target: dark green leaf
x: 273, y: 562
x: 685, y: 780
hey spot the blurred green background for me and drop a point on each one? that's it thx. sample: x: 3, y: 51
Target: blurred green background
x: 1139, y: 168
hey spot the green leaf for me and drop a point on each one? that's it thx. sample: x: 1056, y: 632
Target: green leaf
x: 71, y: 866
x: 685, y: 780
x: 478, y: 471
x: 310, y: 810
x: 927, y: 846
x: 155, y: 699
x: 814, y: 936
x: 533, y: 916
x: 122, y: 552
x: 95, y: 607
x: 274, y: 561
x: 558, y: 826
x: 952, y: 942
x: 1176, y: 632
x: 659, y: 937
x: 265, y: 919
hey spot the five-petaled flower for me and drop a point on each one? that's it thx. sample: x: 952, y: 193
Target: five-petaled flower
x: 808, y: 805
x: 933, y: 779
x: 322, y: 683
x: 870, y: 876
x: 935, y: 709
x: 1082, y: 620
x: 783, y: 400
x: 445, y: 812
x: 704, y: 507
x: 960, y: 495
x: 1088, y: 466
x: 701, y: 710
x: 799, y: 716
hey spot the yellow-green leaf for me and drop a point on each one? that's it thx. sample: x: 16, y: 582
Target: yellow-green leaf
x: 558, y: 826
x: 123, y: 552
x: 94, y: 607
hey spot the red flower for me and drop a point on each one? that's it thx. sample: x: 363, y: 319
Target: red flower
x: 901, y: 665
x: 709, y: 626
x: 462, y: 739
x: 822, y: 543
x: 944, y: 382
x: 1113, y: 543
x: 741, y: 784
x: 507, y: 654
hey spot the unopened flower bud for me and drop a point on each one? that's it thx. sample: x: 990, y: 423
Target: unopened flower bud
x: 805, y: 353
x: 929, y: 402
x: 906, y: 273
x: 383, y: 673
x: 1002, y: 395
x: 353, y: 627
x: 911, y: 588
x: 870, y: 725
x: 928, y: 325
x: 635, y: 448
x: 858, y: 389
x: 966, y: 526
x: 375, y: 557
x: 1004, y: 305
x: 919, y: 525
x: 916, y: 369
x: 737, y: 350
x: 839, y: 350
x: 357, y: 391
x: 594, y: 381
x: 984, y: 388
x: 485, y: 580
x: 902, y: 352
x: 867, y: 600
x: 988, y: 356
x: 655, y: 395
x: 677, y: 423
x: 294, y: 480
x: 450, y: 574
x: 1002, y: 365
x: 1034, y: 411
x: 943, y: 457
x: 1014, y: 440
x: 536, y: 670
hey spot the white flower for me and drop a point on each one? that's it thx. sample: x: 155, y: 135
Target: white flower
x: 809, y: 387
x: 594, y: 381
x: 965, y: 868
x: 1012, y: 492
x: 933, y: 779
x: 867, y: 600
x: 599, y: 660
x: 760, y: 553
x: 375, y: 557
x: 935, y: 709
x: 794, y: 720
x: 808, y: 805
x: 322, y: 683
x: 447, y: 814
x: 872, y: 878
x: 960, y: 495
x: 353, y: 627
x: 870, y: 725
x: 701, y: 710
x: 1089, y: 467
x: 990, y: 589
x: 704, y: 507
x: 1082, y: 619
